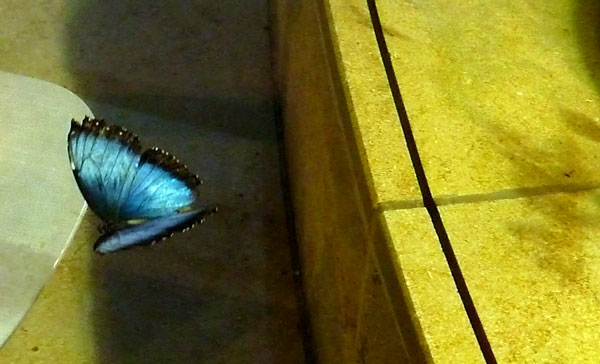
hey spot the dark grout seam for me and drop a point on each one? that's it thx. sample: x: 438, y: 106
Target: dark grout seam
x: 428, y: 200
x: 507, y: 194
x: 308, y: 343
x: 305, y: 320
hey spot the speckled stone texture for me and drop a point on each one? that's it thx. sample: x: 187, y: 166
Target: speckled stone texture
x: 502, y: 102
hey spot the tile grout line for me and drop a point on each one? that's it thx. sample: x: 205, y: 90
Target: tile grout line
x: 301, y: 300
x: 507, y: 194
x: 305, y: 322
x: 361, y: 299
x: 428, y: 200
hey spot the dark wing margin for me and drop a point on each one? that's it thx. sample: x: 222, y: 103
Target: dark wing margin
x: 103, y: 129
x: 167, y: 161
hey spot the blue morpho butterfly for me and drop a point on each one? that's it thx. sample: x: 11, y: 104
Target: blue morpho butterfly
x: 143, y: 197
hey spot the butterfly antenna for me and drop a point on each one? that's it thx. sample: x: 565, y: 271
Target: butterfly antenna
x: 79, y: 247
x: 207, y: 212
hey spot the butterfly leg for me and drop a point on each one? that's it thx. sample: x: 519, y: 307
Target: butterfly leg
x: 104, y: 228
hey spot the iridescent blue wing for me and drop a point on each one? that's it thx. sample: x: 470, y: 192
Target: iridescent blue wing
x: 161, y: 186
x: 104, y: 161
x: 121, y: 184
x: 150, y: 231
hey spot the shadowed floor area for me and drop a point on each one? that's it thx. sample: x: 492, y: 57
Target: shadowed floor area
x: 193, y: 78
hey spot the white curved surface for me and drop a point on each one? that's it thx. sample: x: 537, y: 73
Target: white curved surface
x: 40, y: 205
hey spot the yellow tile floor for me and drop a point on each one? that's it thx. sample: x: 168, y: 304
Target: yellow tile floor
x: 443, y: 163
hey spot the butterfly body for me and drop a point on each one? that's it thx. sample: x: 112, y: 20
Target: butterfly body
x: 121, y: 183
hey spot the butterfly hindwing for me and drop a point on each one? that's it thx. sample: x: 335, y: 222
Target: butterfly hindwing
x: 121, y: 184
x: 150, y: 231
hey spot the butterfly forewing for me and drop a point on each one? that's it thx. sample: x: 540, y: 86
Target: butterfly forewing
x: 156, y: 189
x: 121, y: 184
x: 102, y: 158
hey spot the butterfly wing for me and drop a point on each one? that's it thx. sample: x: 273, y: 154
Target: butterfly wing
x: 162, y: 186
x: 150, y: 231
x: 121, y: 184
x: 103, y: 159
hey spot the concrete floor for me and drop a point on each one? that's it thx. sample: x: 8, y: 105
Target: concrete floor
x: 193, y: 78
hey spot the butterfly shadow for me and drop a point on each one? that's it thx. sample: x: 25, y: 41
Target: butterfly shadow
x: 189, y: 300
x: 145, y: 317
